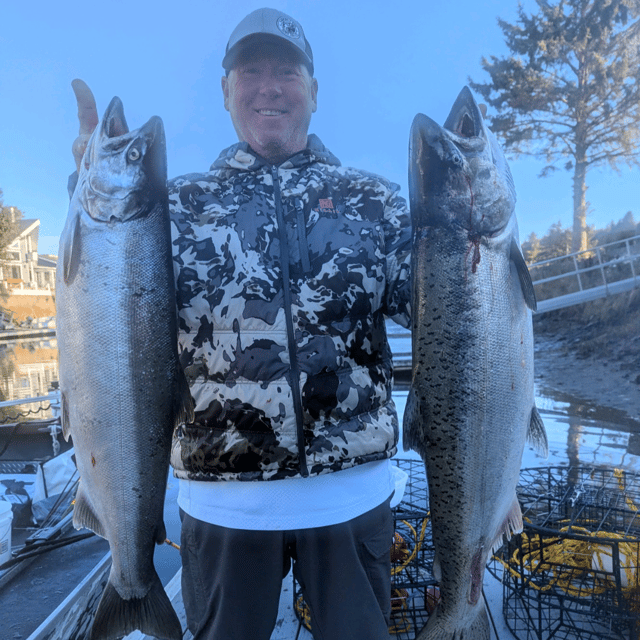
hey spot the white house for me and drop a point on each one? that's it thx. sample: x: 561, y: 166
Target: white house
x: 24, y: 268
x: 27, y: 280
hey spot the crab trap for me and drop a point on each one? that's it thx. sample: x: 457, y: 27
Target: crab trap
x: 573, y: 573
x: 413, y: 590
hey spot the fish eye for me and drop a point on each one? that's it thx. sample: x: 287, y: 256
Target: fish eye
x: 134, y: 154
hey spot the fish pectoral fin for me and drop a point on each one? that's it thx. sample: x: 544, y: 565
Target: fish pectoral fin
x: 64, y: 417
x: 153, y: 614
x: 436, y: 569
x: 411, y: 421
x: 184, y: 410
x: 523, y: 275
x: 161, y: 533
x: 70, y: 257
x: 537, y: 435
x: 85, y: 516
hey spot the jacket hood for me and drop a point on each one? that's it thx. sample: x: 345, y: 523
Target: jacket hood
x: 242, y: 156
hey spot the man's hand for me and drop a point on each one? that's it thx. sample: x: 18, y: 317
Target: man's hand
x: 88, y: 117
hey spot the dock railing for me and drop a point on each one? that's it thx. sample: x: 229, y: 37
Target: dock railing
x: 587, y: 275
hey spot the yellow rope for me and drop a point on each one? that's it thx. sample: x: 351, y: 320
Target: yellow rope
x: 619, y: 474
x: 418, y: 539
x: 398, y: 608
x: 303, y: 612
x: 568, y: 562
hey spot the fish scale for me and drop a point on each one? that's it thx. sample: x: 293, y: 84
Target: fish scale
x: 471, y: 406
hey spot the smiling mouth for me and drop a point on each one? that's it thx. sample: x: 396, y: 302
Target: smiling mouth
x: 270, y: 112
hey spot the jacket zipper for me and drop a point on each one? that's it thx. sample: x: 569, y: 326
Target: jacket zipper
x: 286, y: 288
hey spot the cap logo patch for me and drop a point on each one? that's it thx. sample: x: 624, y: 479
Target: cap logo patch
x: 288, y: 27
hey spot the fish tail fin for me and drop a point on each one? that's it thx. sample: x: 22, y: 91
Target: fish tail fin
x: 152, y: 615
x: 441, y: 627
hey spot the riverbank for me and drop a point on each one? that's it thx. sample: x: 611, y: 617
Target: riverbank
x: 592, y: 352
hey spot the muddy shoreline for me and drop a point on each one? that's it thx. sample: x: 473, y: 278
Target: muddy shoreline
x: 596, y: 377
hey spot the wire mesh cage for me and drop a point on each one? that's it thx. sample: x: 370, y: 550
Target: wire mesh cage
x: 573, y: 573
x: 413, y: 589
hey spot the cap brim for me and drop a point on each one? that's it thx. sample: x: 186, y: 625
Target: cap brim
x: 254, y: 39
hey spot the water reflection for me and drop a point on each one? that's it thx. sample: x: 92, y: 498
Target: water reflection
x: 28, y: 369
x: 583, y: 433
x: 579, y: 433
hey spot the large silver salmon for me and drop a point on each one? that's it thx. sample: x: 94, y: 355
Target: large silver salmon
x: 471, y: 403
x: 123, y: 390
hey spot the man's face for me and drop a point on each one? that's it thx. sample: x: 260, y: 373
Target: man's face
x: 271, y: 97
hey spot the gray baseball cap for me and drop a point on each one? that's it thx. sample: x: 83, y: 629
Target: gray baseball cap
x: 268, y: 24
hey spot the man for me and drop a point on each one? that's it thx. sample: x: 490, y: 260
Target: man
x: 286, y: 266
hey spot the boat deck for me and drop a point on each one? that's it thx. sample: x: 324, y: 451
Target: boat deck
x: 34, y: 592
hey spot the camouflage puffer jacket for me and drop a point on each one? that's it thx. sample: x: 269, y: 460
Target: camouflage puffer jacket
x: 285, y: 275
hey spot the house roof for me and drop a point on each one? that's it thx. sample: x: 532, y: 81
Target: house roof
x: 47, y: 261
x: 26, y: 226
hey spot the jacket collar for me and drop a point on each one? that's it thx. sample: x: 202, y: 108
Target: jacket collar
x: 241, y: 156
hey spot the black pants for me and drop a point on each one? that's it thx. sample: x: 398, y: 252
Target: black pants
x: 231, y: 578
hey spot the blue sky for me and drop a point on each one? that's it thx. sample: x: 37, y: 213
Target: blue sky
x: 377, y: 64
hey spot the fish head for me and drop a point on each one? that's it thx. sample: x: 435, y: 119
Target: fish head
x: 123, y: 173
x: 458, y: 175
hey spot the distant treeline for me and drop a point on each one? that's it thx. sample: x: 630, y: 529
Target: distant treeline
x: 557, y: 241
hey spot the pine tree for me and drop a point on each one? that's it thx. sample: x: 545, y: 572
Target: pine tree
x: 570, y: 91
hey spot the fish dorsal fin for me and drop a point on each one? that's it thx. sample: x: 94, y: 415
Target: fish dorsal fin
x: 537, y: 435
x: 85, y: 516
x: 71, y: 248
x: 523, y: 274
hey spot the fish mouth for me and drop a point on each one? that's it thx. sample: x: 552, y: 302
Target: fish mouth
x: 466, y: 127
x: 114, y: 124
x: 457, y: 164
x: 465, y: 117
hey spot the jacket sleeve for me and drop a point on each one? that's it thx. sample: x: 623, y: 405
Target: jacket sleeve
x: 397, y: 230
